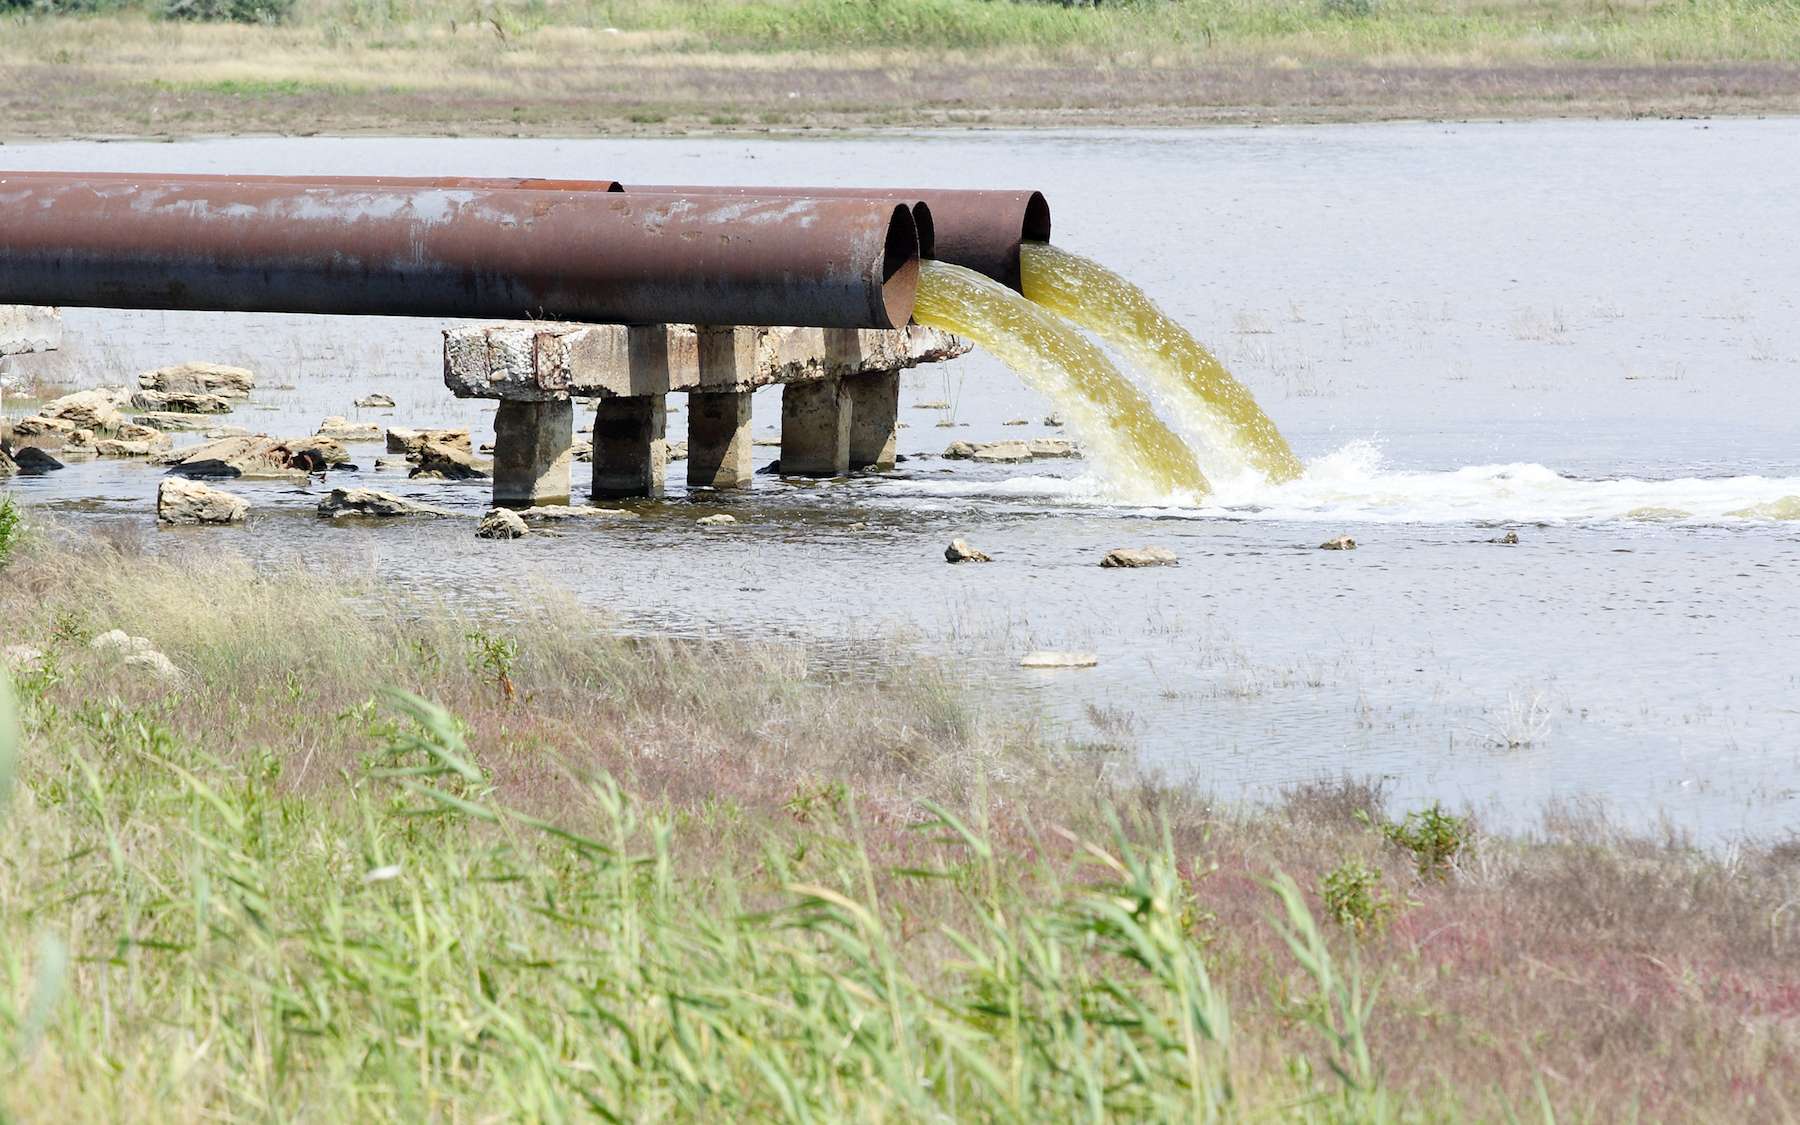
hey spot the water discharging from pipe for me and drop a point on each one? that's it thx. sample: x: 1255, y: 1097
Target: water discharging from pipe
x: 1205, y: 398
x: 1119, y: 428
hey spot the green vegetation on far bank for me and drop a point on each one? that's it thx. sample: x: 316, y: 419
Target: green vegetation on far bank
x: 350, y: 854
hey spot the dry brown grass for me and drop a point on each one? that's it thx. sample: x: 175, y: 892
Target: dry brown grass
x: 1612, y: 976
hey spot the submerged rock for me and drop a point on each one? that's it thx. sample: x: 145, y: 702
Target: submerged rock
x: 716, y: 519
x: 558, y: 512
x: 500, y: 523
x: 339, y: 428
x: 1044, y: 658
x: 1130, y: 557
x: 448, y: 462
x: 256, y: 455
x: 187, y: 501
x: 1341, y: 543
x: 1016, y: 422
x: 200, y: 378
x: 368, y: 502
x: 1010, y: 452
x: 32, y: 461
x: 392, y: 464
x: 179, y: 402
x: 1510, y: 539
x: 410, y: 442
x: 1052, y: 447
x: 960, y: 551
x: 1002, y: 452
x: 375, y: 401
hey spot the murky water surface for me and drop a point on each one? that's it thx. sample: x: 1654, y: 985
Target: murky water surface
x: 1586, y: 333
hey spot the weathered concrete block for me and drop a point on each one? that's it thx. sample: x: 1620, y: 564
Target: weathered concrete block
x: 874, y: 419
x: 533, y: 448
x: 529, y: 361
x: 719, y: 442
x: 630, y: 447
x: 815, y: 429
x: 27, y: 328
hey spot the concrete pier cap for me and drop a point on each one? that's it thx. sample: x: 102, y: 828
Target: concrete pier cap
x: 845, y: 390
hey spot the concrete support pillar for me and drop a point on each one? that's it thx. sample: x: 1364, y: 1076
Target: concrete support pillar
x: 532, y: 452
x: 874, y: 419
x: 719, y: 440
x: 815, y: 429
x: 631, y: 452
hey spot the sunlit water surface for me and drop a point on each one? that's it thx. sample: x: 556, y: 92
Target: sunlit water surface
x: 1582, y: 332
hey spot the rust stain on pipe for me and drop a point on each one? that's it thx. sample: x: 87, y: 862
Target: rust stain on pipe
x: 631, y: 258
x: 977, y: 229
x: 495, y: 183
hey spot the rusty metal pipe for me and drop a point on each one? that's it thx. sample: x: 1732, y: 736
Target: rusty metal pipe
x: 981, y: 230
x: 635, y: 258
x: 921, y: 213
x: 535, y: 183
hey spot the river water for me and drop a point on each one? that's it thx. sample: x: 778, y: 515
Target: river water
x: 1582, y: 332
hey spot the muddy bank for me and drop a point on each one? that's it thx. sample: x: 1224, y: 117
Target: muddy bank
x: 676, y: 95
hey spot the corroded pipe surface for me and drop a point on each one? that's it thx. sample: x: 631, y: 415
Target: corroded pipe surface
x: 537, y: 183
x: 980, y: 230
x: 636, y: 258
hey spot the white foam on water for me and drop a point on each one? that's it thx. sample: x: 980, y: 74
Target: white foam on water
x: 1352, y: 485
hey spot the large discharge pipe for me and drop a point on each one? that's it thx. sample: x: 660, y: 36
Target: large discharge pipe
x: 537, y: 183
x: 980, y: 230
x: 637, y: 258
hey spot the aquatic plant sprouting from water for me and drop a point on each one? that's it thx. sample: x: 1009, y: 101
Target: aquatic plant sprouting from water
x: 1204, y: 395
x: 1120, y: 430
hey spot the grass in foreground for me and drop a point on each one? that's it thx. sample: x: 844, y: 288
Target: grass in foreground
x: 635, y: 879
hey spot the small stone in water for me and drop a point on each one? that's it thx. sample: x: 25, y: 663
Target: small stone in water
x: 1047, y: 659
x: 1341, y: 543
x: 716, y: 519
x: 499, y: 523
x: 959, y: 551
x: 376, y: 401
x: 1139, y: 556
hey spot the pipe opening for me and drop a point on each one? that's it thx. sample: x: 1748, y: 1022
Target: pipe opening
x: 900, y: 267
x: 1036, y: 227
x: 927, y: 230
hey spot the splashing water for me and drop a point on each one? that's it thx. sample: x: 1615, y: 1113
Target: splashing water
x: 1120, y: 431
x: 1206, y: 400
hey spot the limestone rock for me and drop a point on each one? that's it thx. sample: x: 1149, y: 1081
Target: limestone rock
x: 1052, y: 447
x: 8, y: 467
x: 1510, y: 539
x: 1044, y: 658
x: 410, y: 442
x: 558, y: 512
x: 500, y: 523
x: 137, y: 653
x: 1053, y: 420
x: 677, y: 451
x: 375, y: 401
x: 959, y: 451
x: 933, y: 404
x: 1139, y: 556
x: 113, y: 447
x: 339, y: 428
x: 188, y: 501
x: 1016, y: 422
x: 257, y: 455
x: 1341, y: 543
x: 201, y: 379
x: 33, y: 462
x: 1003, y: 452
x: 448, y: 462
x: 716, y: 519
x: 368, y: 502
x: 392, y: 465
x: 172, y: 420
x: 583, y: 451
x: 959, y: 551
x: 88, y: 410
x: 135, y: 431
x: 40, y: 426
x: 179, y: 402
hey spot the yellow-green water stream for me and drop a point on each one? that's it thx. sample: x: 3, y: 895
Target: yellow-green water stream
x: 1119, y: 428
x: 1205, y: 398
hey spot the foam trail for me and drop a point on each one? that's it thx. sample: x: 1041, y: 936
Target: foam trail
x: 1135, y: 452
x: 1206, y: 400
